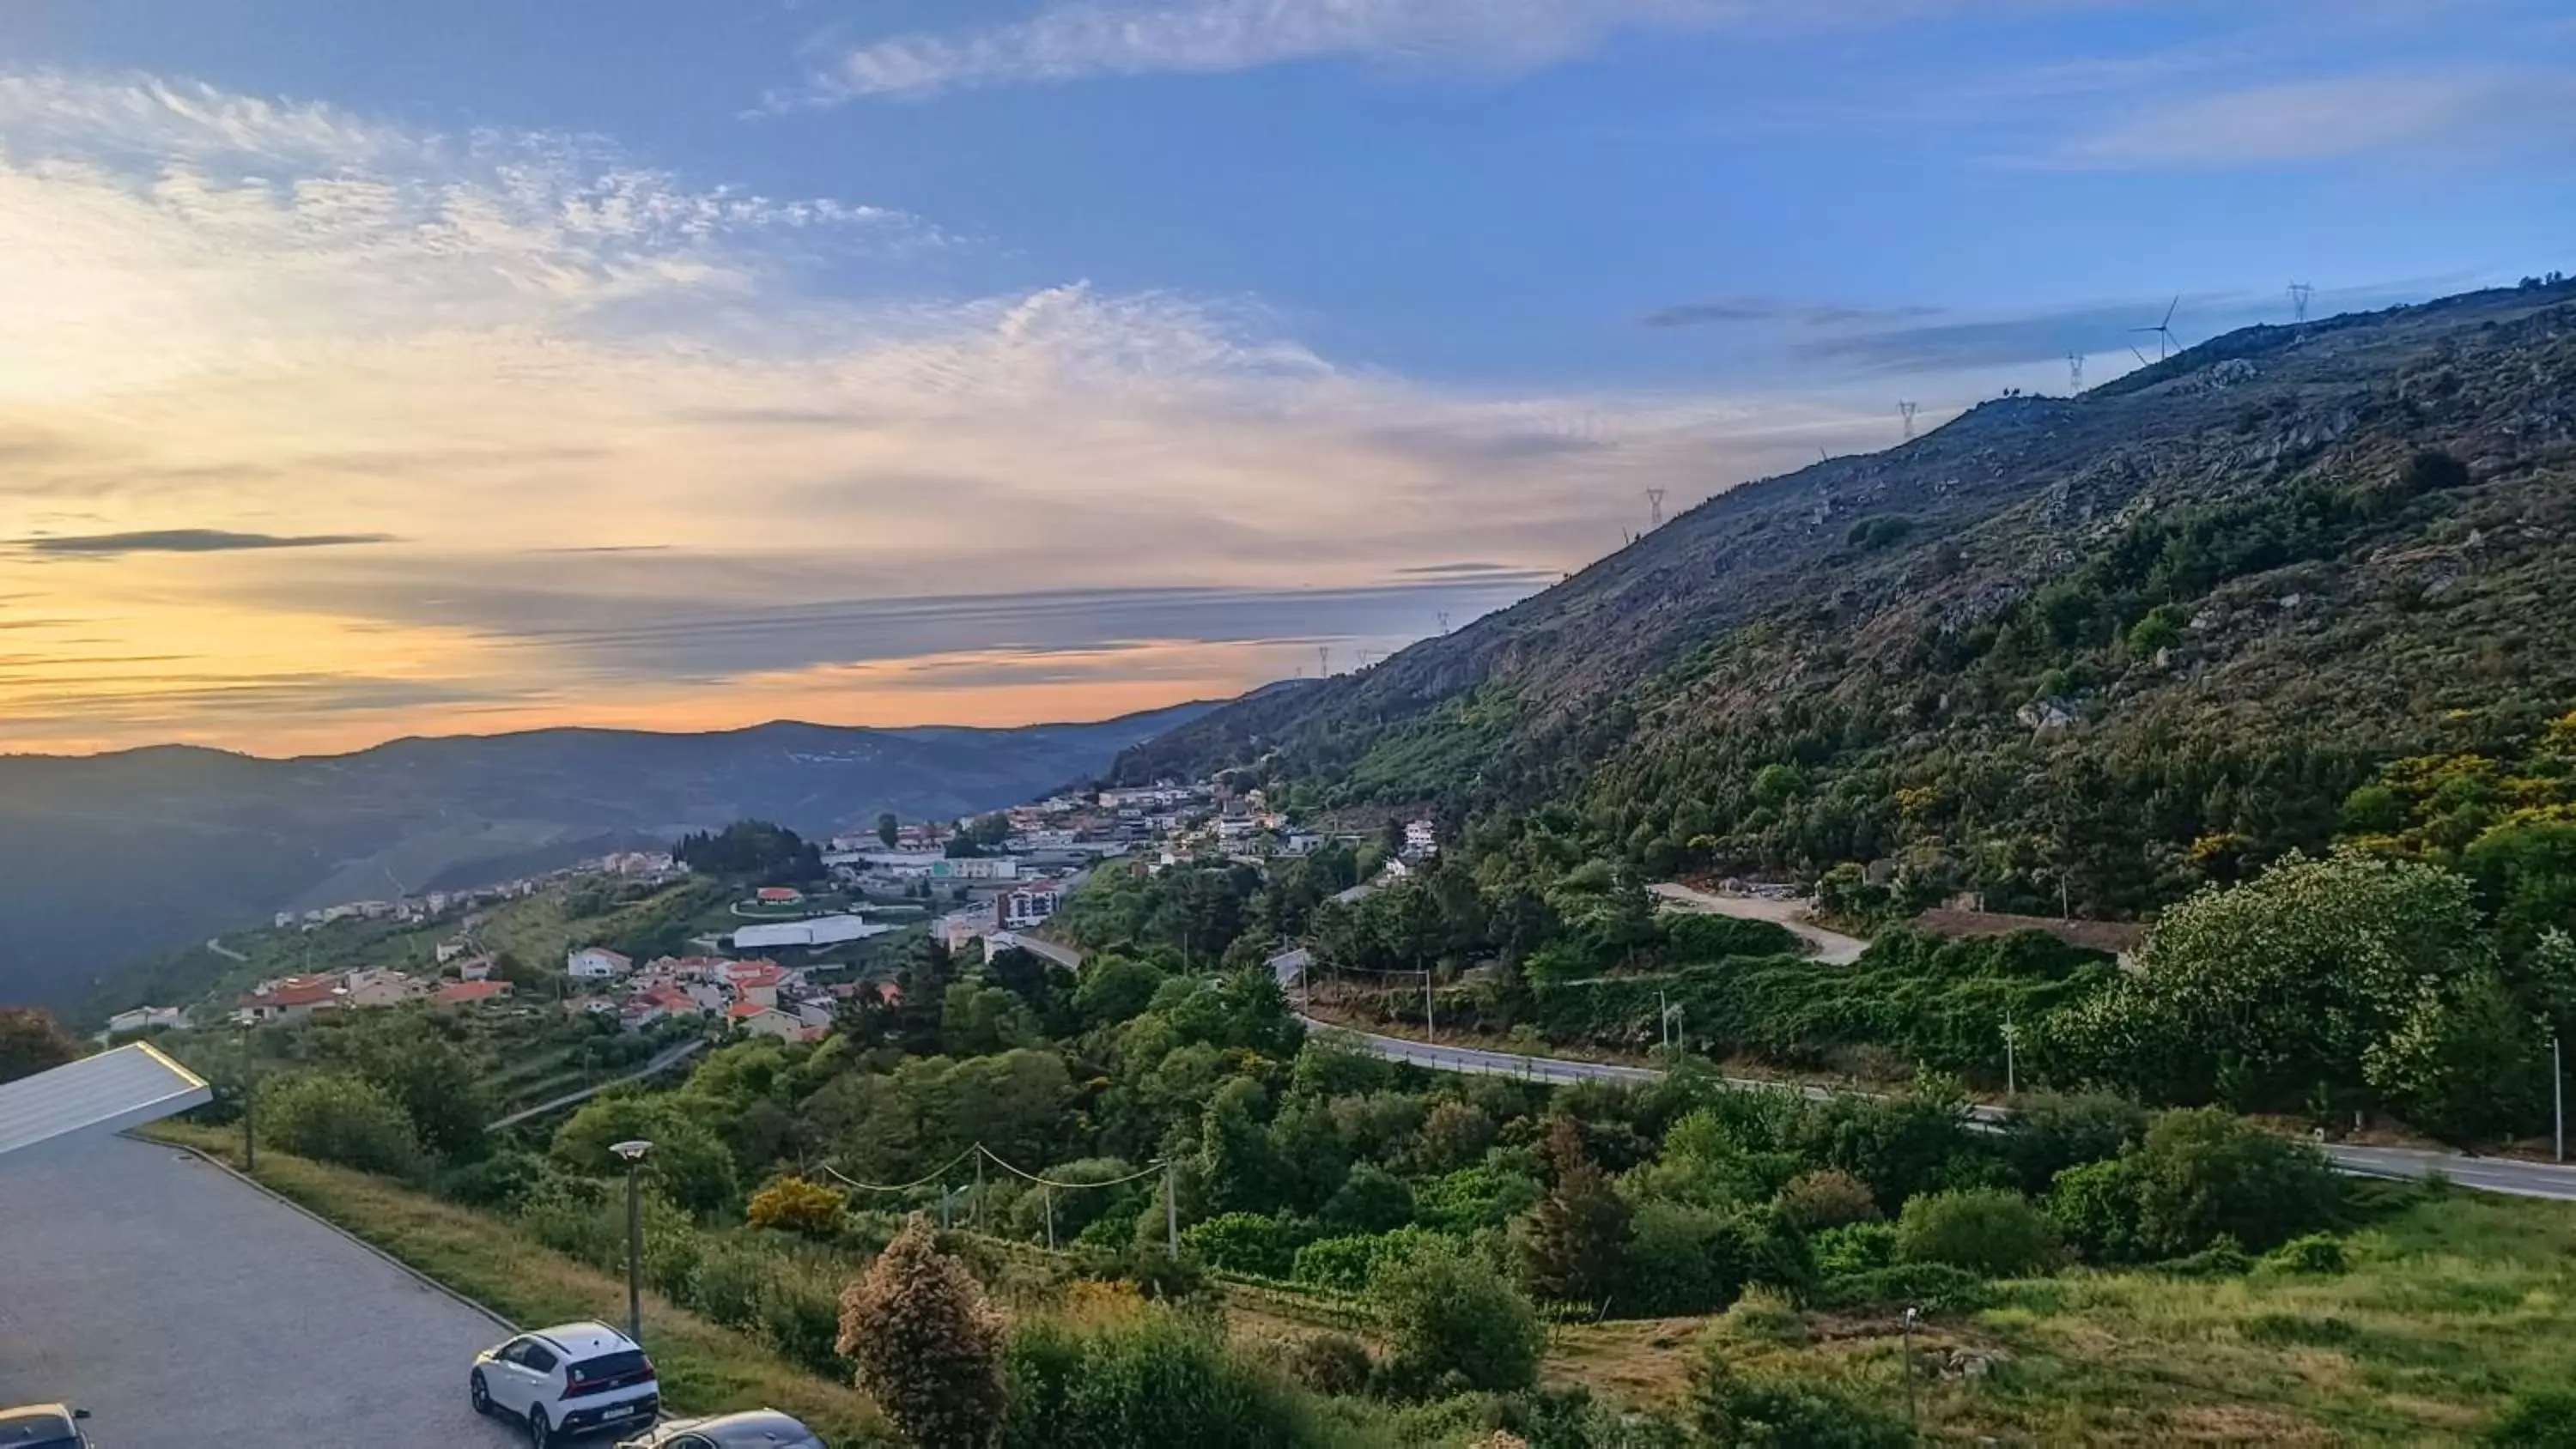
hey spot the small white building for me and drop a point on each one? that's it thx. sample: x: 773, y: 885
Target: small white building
x: 1420, y: 837
x: 596, y: 963
x: 146, y: 1018
x: 759, y: 1020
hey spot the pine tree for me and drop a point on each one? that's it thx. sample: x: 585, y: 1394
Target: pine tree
x: 1573, y: 1244
x: 927, y: 1345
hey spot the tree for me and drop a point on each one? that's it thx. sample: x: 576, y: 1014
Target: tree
x: 794, y: 1205
x: 1114, y: 989
x: 2468, y: 1064
x: 2205, y: 1173
x: 2260, y: 992
x: 688, y: 1164
x: 334, y: 1118
x: 435, y: 1082
x: 31, y: 1041
x: 889, y: 829
x: 1985, y: 1230
x: 1450, y: 1321
x: 1573, y: 1244
x: 927, y: 1345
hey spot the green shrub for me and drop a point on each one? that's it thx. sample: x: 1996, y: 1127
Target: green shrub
x: 1331, y: 1363
x: 1763, y: 1315
x: 1682, y: 1260
x: 1475, y: 1197
x: 2320, y: 1253
x: 1984, y: 1230
x: 501, y: 1182
x: 2542, y: 1420
x: 2049, y: 1133
x: 1826, y: 1198
x: 2204, y: 1174
x: 342, y: 1119
x: 1853, y: 1248
x: 1735, y: 1406
x: 1933, y: 1287
x: 2221, y: 1259
x: 1370, y: 1200
x: 1697, y: 939
x: 727, y: 1284
x: 1245, y: 1243
x: 1157, y: 1378
x: 799, y: 1314
x: 2095, y: 1208
x: 1450, y: 1320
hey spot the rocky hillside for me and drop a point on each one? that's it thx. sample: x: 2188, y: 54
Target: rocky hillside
x: 2122, y: 641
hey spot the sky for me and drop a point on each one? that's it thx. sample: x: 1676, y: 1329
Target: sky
x: 374, y: 370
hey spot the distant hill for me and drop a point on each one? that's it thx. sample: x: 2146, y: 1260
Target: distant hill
x: 107, y: 857
x: 2122, y: 642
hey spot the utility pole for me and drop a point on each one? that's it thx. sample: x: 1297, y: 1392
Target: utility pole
x: 1172, y: 1207
x: 2012, y: 1081
x: 1430, y: 1026
x: 1663, y: 1021
x: 1907, y: 409
x: 979, y: 1192
x: 1049, y: 1194
x: 2558, y: 1097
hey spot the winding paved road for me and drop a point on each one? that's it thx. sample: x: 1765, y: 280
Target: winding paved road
x: 662, y: 1061
x: 2510, y: 1176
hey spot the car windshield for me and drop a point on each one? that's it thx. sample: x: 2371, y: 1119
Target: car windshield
x: 606, y: 1366
x: 37, y: 1431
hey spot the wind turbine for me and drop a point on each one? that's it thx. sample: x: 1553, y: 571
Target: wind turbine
x: 2165, y: 344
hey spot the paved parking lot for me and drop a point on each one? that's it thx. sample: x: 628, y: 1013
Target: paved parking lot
x: 186, y: 1309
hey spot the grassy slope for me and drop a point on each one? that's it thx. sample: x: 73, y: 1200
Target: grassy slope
x: 2452, y: 1307
x: 704, y: 1368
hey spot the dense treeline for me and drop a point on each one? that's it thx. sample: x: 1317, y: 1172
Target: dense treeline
x: 754, y: 850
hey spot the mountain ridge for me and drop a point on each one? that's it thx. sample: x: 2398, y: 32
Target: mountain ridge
x: 111, y: 856
x: 2141, y: 580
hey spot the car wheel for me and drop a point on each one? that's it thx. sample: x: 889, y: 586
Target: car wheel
x: 540, y: 1433
x: 482, y: 1395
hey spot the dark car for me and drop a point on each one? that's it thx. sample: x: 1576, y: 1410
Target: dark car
x: 43, y: 1426
x: 758, y: 1429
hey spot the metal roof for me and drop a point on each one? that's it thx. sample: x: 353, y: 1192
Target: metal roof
x: 109, y: 1092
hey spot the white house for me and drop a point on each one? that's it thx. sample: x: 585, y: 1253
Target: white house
x: 818, y: 931
x: 761, y: 1020
x: 596, y: 963
x: 1420, y: 837
x: 1030, y: 906
x: 146, y: 1018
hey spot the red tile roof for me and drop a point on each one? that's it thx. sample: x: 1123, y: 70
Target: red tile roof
x: 457, y: 993
x: 746, y: 1010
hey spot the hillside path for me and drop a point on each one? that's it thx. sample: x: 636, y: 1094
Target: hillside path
x: 1833, y: 948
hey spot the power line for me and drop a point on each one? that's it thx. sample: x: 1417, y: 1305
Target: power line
x: 2074, y: 373
x: 2300, y: 292
x: 1907, y: 409
x: 1654, y: 509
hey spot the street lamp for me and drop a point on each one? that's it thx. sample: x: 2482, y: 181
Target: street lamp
x: 634, y: 1152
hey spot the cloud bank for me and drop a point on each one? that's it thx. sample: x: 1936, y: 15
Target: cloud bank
x: 620, y: 452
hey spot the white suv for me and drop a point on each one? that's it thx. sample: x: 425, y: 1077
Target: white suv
x: 581, y: 1378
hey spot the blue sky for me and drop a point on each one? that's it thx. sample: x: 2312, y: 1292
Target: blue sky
x: 1098, y: 305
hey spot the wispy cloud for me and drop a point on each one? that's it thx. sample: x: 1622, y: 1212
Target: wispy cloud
x: 526, y: 363
x: 1765, y: 309
x: 185, y: 540
x: 2455, y: 116
x: 1085, y: 38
